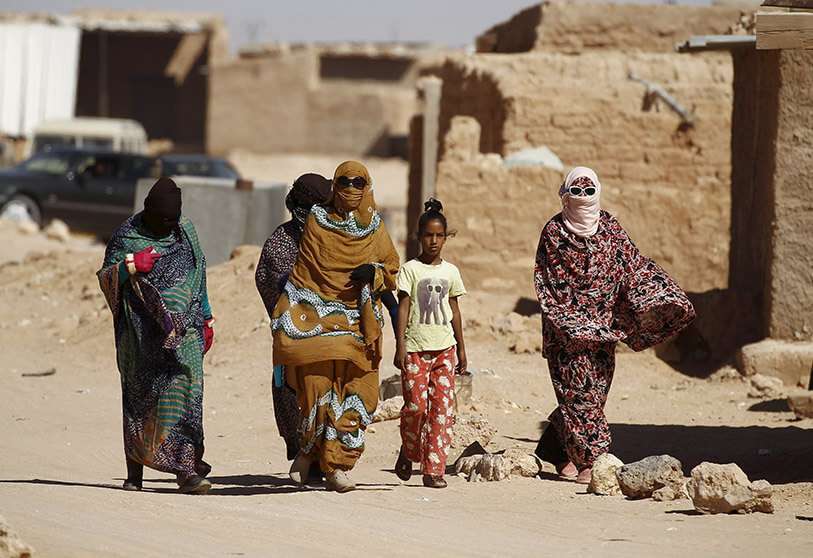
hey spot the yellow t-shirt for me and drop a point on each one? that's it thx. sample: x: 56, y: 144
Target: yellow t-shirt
x: 430, y: 317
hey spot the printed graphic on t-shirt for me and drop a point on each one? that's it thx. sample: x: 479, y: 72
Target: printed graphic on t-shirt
x: 431, y: 293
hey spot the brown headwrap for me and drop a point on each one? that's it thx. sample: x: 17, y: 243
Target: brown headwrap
x: 352, y: 199
x: 322, y: 314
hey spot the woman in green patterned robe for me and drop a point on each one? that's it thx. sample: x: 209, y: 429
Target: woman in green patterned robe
x: 154, y: 280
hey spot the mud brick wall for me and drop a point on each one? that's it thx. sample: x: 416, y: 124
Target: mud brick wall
x: 499, y: 212
x: 669, y: 186
x: 791, y: 273
x: 574, y: 27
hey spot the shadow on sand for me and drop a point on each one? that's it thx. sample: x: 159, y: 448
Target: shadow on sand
x: 778, y: 454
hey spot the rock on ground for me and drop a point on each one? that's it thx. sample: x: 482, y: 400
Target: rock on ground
x: 389, y: 409
x: 390, y: 387
x: 643, y: 478
x: 10, y: 544
x: 522, y: 463
x: 716, y: 488
x: 58, y: 230
x: 478, y: 465
x: 765, y: 387
x: 604, y: 481
x: 786, y: 360
x: 470, y: 428
x: 801, y: 405
x: 488, y: 467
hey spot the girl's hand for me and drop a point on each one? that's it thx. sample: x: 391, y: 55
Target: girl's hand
x: 462, y: 362
x: 400, y: 360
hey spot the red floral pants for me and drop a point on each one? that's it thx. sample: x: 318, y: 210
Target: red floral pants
x: 427, y: 415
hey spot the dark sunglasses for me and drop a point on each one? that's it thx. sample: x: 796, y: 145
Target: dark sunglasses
x: 356, y: 182
x: 577, y: 191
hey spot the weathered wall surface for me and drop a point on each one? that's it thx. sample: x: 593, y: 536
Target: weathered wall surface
x: 301, y: 102
x: 499, y: 213
x: 670, y: 187
x: 577, y: 27
x: 261, y: 103
x: 791, y: 271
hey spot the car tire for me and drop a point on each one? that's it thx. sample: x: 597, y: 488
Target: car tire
x: 28, y: 204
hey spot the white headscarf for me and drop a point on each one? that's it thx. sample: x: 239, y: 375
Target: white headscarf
x: 581, y: 213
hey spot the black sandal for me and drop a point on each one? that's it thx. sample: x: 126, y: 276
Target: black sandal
x: 403, y: 467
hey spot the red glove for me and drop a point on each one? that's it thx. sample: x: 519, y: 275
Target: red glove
x: 142, y: 262
x: 208, y: 335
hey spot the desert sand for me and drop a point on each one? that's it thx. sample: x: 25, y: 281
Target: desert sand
x: 61, y: 463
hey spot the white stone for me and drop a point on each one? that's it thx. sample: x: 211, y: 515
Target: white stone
x: 716, y: 488
x: 389, y: 409
x: 765, y: 386
x: 604, y: 481
x: 58, y: 230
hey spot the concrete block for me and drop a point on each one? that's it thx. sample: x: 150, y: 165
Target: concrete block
x: 224, y: 216
x: 790, y: 362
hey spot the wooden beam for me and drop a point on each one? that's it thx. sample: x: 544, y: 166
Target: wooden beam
x: 784, y: 30
x: 186, y: 54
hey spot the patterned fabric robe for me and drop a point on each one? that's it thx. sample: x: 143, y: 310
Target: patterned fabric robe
x: 158, y: 319
x: 276, y: 261
x: 594, y: 292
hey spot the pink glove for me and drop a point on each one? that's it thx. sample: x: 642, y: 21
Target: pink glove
x: 143, y: 261
x: 208, y: 335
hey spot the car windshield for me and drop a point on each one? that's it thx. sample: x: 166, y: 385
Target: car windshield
x: 47, y: 163
x: 47, y: 143
x: 189, y: 168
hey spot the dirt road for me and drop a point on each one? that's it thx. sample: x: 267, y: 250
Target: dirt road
x: 61, y: 460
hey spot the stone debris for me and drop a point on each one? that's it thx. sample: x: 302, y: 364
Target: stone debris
x: 801, y: 405
x: 787, y: 360
x: 389, y: 409
x: 10, y: 544
x: 716, y: 488
x: 657, y: 473
x: 765, y: 387
x: 27, y: 226
x: 487, y: 467
x: 522, y: 463
x: 58, y: 230
x: 390, y: 387
x: 726, y: 374
x: 604, y: 481
x: 469, y: 428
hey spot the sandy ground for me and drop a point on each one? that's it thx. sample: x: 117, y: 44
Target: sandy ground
x: 61, y: 461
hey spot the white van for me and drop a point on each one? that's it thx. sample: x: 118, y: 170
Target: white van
x: 115, y: 134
